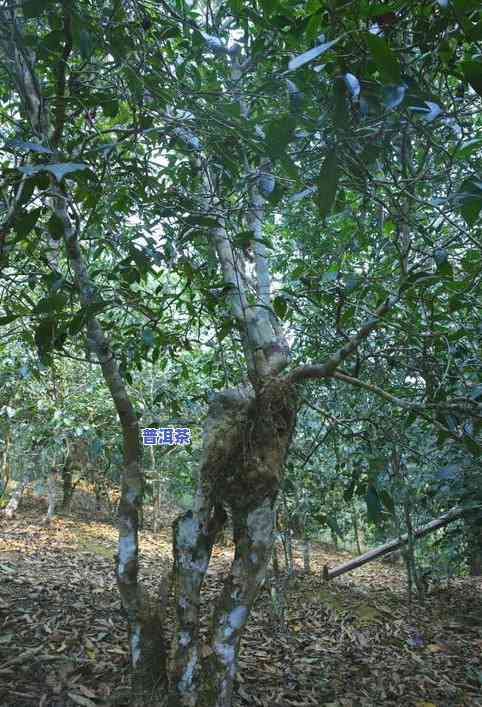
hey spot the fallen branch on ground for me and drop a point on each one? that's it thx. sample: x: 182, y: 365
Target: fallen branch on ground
x: 385, y: 549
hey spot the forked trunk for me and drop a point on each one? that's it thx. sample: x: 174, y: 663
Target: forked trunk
x: 246, y: 439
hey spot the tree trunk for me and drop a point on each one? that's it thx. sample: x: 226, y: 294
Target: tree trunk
x: 306, y: 549
x: 246, y: 438
x: 356, y: 533
x: 156, y: 492
x: 448, y: 517
x: 5, y: 465
x: 67, y: 485
x: 474, y: 539
x: 12, y: 506
x: 52, y: 495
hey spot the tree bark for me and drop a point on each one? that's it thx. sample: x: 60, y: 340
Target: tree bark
x: 246, y: 438
x: 474, y: 541
x: 5, y: 465
x: 440, y: 522
x: 51, y: 494
x: 12, y: 506
x: 356, y: 533
x: 67, y: 485
x: 306, y: 549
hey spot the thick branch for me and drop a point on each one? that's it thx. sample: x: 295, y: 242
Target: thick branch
x: 385, y: 549
x: 326, y: 370
x: 407, y: 405
x: 60, y: 97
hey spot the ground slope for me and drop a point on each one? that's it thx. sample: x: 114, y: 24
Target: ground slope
x: 350, y: 642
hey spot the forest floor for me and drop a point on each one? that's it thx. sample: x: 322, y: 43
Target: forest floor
x: 347, y: 643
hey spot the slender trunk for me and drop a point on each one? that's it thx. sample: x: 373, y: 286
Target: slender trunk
x: 12, y: 506
x: 52, y: 495
x: 5, y: 466
x: 156, y: 521
x: 156, y: 492
x: 474, y: 541
x: 306, y: 549
x: 67, y: 485
x: 288, y: 551
x: 409, y: 556
x: 275, y: 560
x: 253, y: 537
x: 144, y: 621
x: 356, y: 533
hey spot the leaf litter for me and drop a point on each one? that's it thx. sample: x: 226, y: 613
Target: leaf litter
x: 350, y: 642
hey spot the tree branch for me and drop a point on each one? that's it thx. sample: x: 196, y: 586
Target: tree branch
x: 327, y: 369
x: 399, y: 402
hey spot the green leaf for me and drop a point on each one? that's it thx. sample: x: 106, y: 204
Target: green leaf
x: 374, y: 507
x: 384, y: 58
x: 56, y: 227
x: 327, y: 183
x: 59, y: 170
x: 333, y: 526
x: 311, y: 54
x: 280, y: 306
x: 206, y: 221
x: 468, y: 148
x: 110, y: 108
x: 269, y: 7
x: 26, y: 221
x: 473, y: 446
x: 279, y: 134
x: 148, y: 338
x: 387, y: 501
x: 469, y: 197
x: 85, y: 44
x: 30, y: 146
x: 8, y: 319
x: 473, y: 74
x: 50, y: 304
x: 34, y: 8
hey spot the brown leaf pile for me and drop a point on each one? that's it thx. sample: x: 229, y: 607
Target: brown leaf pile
x: 349, y: 643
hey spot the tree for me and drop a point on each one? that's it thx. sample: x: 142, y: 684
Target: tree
x: 215, y: 143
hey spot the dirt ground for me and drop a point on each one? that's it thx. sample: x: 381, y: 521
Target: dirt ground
x: 347, y: 643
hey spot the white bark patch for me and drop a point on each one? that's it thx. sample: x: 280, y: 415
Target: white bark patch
x: 187, y: 532
x: 127, y: 550
x: 225, y: 652
x: 260, y: 524
x: 237, y: 616
x: 136, y: 645
x: 198, y: 565
x: 131, y: 495
x: 188, y: 675
x: 183, y: 602
x: 184, y: 638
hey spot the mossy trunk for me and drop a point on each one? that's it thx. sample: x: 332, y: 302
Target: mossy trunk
x: 246, y: 439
